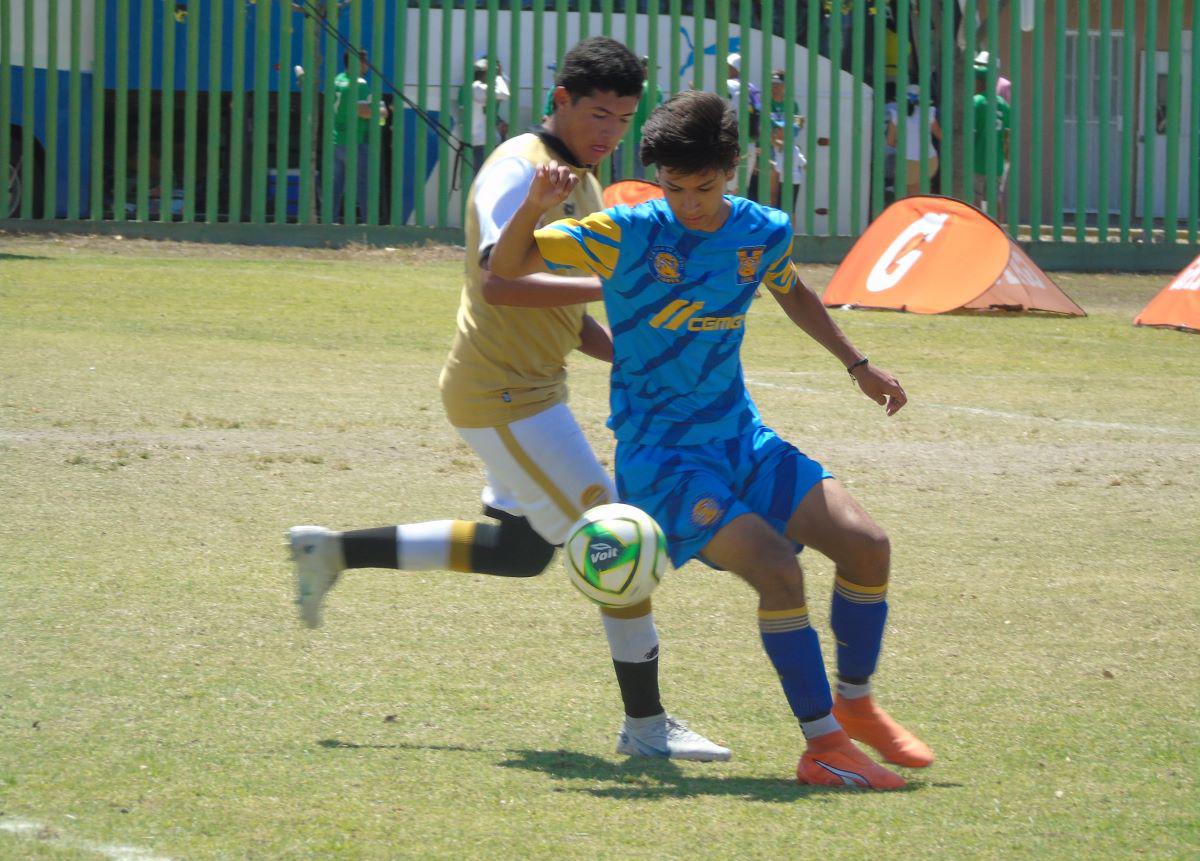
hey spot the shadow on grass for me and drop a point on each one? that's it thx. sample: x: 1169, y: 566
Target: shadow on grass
x: 638, y: 777
x: 338, y: 744
x: 22, y: 257
x: 641, y: 778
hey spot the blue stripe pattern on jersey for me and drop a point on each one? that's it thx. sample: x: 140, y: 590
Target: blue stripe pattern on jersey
x: 680, y: 382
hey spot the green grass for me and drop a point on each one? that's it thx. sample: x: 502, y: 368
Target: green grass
x: 166, y: 411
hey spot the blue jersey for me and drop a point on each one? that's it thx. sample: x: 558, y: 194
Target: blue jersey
x: 677, y: 301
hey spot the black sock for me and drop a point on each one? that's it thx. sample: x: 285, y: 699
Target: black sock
x: 854, y: 680
x: 370, y: 548
x: 639, y: 688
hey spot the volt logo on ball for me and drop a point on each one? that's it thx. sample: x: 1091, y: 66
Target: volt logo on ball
x: 602, y: 553
x: 605, y: 552
x: 615, y: 554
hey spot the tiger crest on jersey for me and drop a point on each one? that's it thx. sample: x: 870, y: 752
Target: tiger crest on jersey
x: 667, y: 264
x: 748, y: 260
x: 706, y: 511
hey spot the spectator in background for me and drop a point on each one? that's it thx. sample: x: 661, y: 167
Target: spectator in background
x: 780, y: 113
x: 634, y: 137
x: 351, y: 120
x: 1003, y: 84
x: 891, y: 117
x: 754, y: 100
x: 914, y: 133
x: 778, y: 150
x: 479, y: 96
x: 989, y: 125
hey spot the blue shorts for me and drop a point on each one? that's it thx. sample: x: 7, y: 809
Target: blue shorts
x: 692, y: 491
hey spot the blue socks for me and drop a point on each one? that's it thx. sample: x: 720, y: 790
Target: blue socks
x: 857, y: 617
x: 794, y: 649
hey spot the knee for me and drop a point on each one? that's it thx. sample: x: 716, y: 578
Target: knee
x: 778, y: 578
x: 871, y: 559
x: 510, y: 548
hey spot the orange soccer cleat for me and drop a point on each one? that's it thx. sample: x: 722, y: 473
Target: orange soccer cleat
x: 865, y: 721
x: 833, y: 760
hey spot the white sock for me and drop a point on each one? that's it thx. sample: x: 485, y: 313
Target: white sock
x: 848, y: 691
x: 819, y: 727
x: 638, y: 723
x: 632, y: 641
x: 424, y: 546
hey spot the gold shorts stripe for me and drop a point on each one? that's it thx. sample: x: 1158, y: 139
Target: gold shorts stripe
x: 462, y: 537
x: 634, y: 611
x: 537, y: 474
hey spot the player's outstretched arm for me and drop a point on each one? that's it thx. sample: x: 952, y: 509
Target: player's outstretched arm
x: 805, y: 309
x: 540, y: 290
x: 515, y: 253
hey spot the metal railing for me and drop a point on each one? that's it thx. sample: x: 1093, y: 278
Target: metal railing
x: 187, y: 111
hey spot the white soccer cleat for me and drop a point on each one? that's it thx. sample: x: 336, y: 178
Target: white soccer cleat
x: 667, y: 738
x: 317, y: 554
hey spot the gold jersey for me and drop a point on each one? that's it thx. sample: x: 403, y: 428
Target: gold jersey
x: 508, y: 363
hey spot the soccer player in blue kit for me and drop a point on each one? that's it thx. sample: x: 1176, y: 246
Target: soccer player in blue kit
x: 678, y: 276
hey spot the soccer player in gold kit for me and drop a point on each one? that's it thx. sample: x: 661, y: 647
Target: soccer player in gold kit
x: 504, y: 390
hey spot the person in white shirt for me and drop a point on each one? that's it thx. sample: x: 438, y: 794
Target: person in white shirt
x: 479, y: 95
x: 733, y: 83
x: 798, y: 164
x: 914, y: 133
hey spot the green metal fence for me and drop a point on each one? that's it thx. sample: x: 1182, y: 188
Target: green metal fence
x: 223, y: 111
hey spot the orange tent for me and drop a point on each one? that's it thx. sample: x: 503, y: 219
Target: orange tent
x: 1177, y: 306
x: 631, y: 192
x: 932, y: 255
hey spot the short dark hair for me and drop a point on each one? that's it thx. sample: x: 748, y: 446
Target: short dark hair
x: 600, y: 64
x: 692, y: 132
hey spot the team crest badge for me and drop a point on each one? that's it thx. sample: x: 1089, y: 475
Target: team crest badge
x: 748, y: 260
x: 667, y: 264
x: 706, y: 511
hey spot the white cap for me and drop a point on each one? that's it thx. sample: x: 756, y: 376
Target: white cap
x: 983, y: 58
x: 914, y: 89
x: 735, y: 60
x: 481, y: 64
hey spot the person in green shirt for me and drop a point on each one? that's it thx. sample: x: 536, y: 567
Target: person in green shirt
x: 995, y: 126
x: 779, y: 111
x: 351, y: 119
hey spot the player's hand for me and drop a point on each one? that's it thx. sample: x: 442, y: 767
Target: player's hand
x: 881, y: 387
x: 552, y: 184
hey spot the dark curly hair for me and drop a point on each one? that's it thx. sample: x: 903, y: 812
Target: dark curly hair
x: 692, y: 132
x: 600, y: 64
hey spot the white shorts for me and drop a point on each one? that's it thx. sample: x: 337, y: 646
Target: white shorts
x: 541, y: 468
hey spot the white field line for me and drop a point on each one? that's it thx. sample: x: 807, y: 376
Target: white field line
x: 54, y: 837
x: 1002, y: 414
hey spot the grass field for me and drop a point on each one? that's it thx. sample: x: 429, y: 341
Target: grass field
x: 166, y: 411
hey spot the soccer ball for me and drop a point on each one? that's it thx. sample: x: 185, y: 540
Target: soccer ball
x: 615, y: 555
